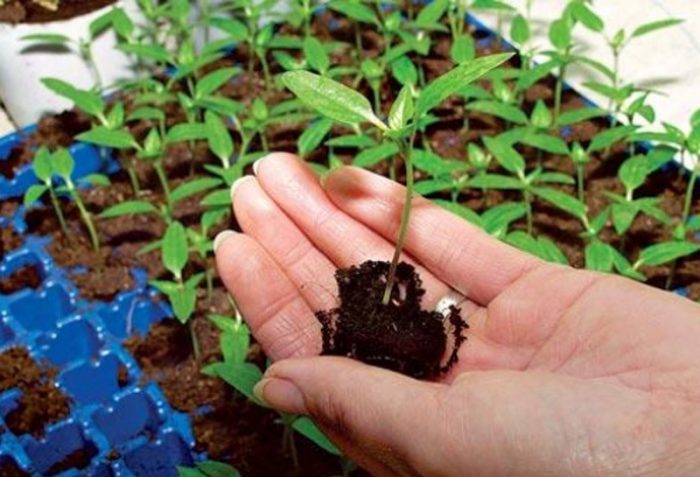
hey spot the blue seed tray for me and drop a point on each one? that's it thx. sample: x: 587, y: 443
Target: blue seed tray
x: 88, y: 160
x: 122, y: 424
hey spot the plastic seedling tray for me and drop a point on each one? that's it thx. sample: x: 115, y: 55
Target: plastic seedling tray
x: 124, y: 426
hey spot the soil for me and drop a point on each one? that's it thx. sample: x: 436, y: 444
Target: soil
x: 9, y: 240
x: 400, y: 335
x: 79, y: 459
x: 25, y: 277
x: 32, y: 11
x: 9, y: 468
x: 41, y: 403
x: 52, y: 131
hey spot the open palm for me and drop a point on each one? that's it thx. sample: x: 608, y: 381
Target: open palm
x: 565, y: 372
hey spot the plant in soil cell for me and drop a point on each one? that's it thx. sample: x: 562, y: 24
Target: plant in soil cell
x: 181, y: 292
x: 243, y: 375
x: 60, y: 164
x: 530, y: 184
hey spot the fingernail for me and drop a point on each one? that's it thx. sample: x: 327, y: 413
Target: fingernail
x: 221, y: 237
x: 256, y: 165
x: 280, y: 394
x: 236, y: 184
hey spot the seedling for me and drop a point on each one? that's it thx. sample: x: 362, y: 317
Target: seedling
x: 61, y: 164
x: 340, y: 103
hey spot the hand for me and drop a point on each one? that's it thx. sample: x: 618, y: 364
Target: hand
x: 564, y: 372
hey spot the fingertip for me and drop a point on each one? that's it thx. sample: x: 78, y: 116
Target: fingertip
x: 237, y: 185
x: 221, y: 238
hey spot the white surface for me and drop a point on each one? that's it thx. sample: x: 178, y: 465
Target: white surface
x: 21, y: 91
x: 6, y: 127
x: 667, y: 60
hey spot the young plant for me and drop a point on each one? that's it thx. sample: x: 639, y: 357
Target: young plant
x: 343, y: 104
x: 208, y: 468
x: 61, y: 164
x: 181, y: 292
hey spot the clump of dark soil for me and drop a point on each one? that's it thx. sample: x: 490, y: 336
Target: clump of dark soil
x: 25, y: 277
x: 41, y: 403
x: 400, y: 335
x: 31, y: 11
x: 79, y: 459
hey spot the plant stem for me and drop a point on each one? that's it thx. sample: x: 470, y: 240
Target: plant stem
x: 579, y: 182
x: 133, y: 178
x: 59, y: 212
x: 689, y: 194
x: 558, y: 93
x: 266, y: 70
x: 405, y: 148
x: 85, y: 215
x: 528, y: 211
x: 160, y: 172
x: 195, y: 342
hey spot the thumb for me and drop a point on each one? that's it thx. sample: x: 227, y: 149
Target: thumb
x: 386, y: 422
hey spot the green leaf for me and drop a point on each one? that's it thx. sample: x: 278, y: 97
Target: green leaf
x: 355, y: 10
x: 130, y: 207
x: 146, y: 51
x: 633, y: 172
x: 545, y: 142
x: 562, y: 201
x: 187, y: 132
x: 458, y: 209
x: 520, y: 30
x: 555, y: 178
x: 242, y: 377
x: 213, y: 81
x: 451, y: 82
x: 497, y: 219
x: 189, y: 472
x: 374, y: 155
x: 194, y: 187
x: 623, y: 214
x: 541, y: 117
x: 352, y: 140
x: 505, y: 154
x: 431, y: 14
x: 501, y: 110
x: 218, y: 137
x: 183, y: 303
x: 495, y: 181
x: 587, y: 17
x: 435, y: 165
x: 560, y: 34
x: 616, y: 94
x: 55, y: 39
x: 306, y: 427
x: 578, y: 115
x: 313, y: 136
x: 550, y: 252
x: 431, y: 186
x: 212, y: 468
x: 404, y: 70
x: 316, y: 55
x: 101, y: 136
x: 599, y: 257
x: 665, y: 252
x: 96, y: 180
x: 330, y: 98
x: 609, y: 137
x: 402, y: 109
x: 62, y: 163
x: 174, y: 251
x: 463, y: 49
x: 654, y: 26
x: 218, y: 198
x: 33, y: 194
x: 236, y: 29
x: 88, y: 101
x: 42, y: 164
x: 533, y: 75
x: 223, y: 106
